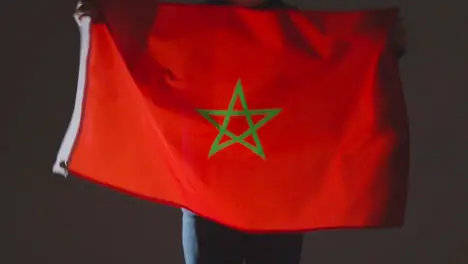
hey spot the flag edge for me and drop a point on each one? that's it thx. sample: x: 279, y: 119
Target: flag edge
x: 71, y: 135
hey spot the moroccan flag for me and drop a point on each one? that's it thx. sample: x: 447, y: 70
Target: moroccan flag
x: 262, y: 120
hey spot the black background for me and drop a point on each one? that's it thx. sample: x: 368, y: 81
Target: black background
x: 49, y: 219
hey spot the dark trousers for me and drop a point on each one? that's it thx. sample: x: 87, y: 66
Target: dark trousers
x: 206, y: 242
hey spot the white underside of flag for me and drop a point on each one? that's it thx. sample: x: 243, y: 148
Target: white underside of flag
x: 68, y: 142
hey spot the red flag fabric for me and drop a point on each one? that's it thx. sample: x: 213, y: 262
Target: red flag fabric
x: 262, y: 120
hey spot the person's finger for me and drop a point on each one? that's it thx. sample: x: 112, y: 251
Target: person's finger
x: 84, y: 9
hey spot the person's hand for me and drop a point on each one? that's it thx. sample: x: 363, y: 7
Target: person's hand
x: 398, y: 37
x: 85, y: 8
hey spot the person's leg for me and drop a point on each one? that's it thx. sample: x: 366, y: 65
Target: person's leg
x: 273, y: 248
x: 206, y: 242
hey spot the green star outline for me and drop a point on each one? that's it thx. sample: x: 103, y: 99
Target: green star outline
x: 238, y: 93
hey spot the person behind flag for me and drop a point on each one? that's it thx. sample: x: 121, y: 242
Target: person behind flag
x: 208, y: 242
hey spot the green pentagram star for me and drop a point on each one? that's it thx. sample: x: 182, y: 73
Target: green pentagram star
x: 227, y: 114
